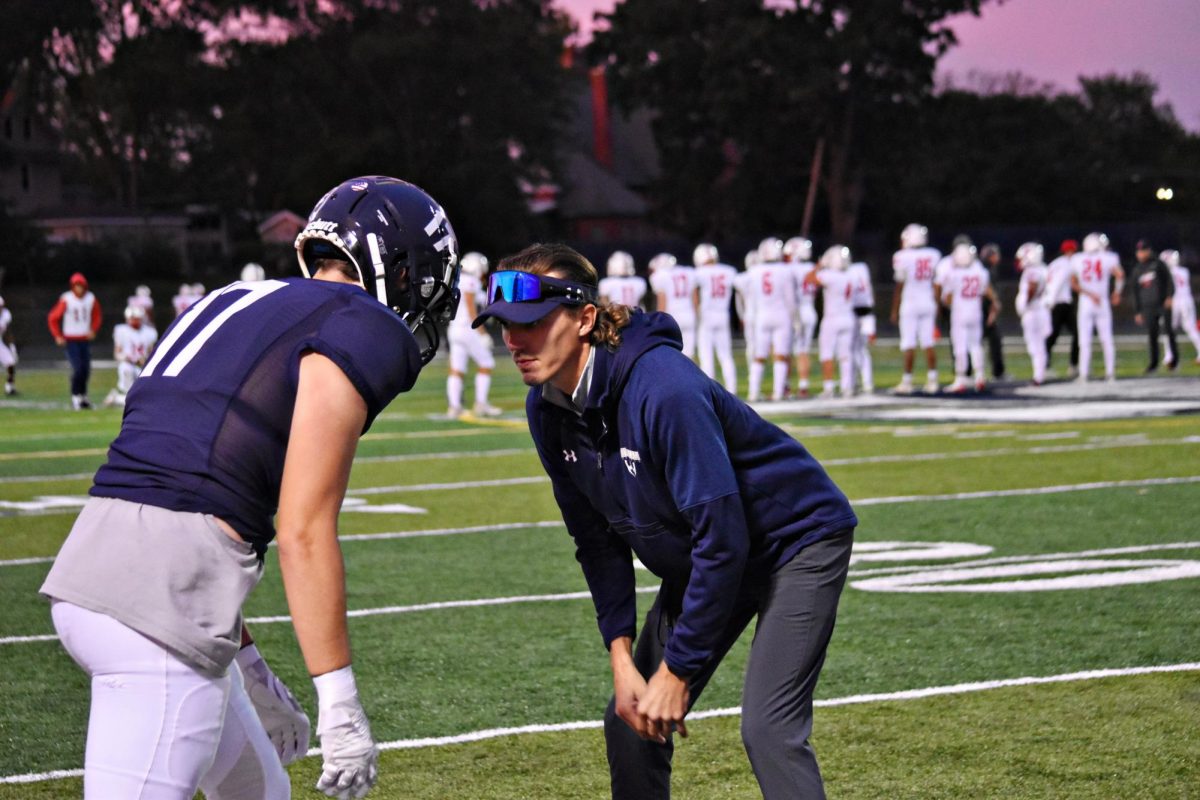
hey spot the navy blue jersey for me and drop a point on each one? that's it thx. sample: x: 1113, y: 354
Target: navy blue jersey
x: 206, y: 425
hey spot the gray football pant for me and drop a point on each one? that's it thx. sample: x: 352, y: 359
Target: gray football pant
x: 796, y: 613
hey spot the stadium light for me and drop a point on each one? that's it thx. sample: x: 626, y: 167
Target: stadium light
x: 1164, y: 193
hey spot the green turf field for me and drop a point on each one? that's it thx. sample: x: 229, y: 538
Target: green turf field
x: 969, y: 592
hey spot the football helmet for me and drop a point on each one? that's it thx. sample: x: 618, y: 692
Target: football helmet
x: 1095, y: 242
x: 836, y: 257
x: 142, y: 290
x: 185, y: 290
x: 399, y: 241
x: 135, y: 315
x: 770, y: 250
x: 1168, y: 257
x: 963, y: 255
x: 797, y: 248
x: 1030, y: 254
x: 475, y: 264
x: 752, y: 259
x: 662, y: 261
x: 198, y: 289
x: 914, y: 235
x: 705, y: 254
x: 253, y: 272
x: 620, y: 265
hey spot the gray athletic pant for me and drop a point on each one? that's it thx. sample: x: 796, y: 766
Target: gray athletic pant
x: 796, y: 611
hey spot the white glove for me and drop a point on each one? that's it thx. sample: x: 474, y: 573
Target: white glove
x: 350, y: 756
x: 284, y: 720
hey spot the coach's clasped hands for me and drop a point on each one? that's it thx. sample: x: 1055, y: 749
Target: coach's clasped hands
x: 351, y: 759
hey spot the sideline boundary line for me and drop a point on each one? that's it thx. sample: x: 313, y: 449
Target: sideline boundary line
x: 857, y: 699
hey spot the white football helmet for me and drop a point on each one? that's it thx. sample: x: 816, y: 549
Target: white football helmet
x: 1095, y: 242
x: 185, y: 290
x: 142, y: 290
x: 1030, y: 254
x: 797, y: 248
x: 253, y: 272
x: 705, y: 254
x: 1168, y: 257
x: 1, y: 302
x: 475, y: 264
x: 752, y: 259
x: 770, y: 250
x: 198, y: 289
x: 620, y: 265
x: 963, y: 255
x: 135, y: 313
x: 914, y: 235
x: 662, y: 261
x: 836, y: 257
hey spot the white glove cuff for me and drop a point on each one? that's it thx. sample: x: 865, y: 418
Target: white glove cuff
x: 334, y: 687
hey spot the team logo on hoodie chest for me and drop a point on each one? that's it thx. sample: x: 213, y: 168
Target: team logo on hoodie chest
x: 631, y: 459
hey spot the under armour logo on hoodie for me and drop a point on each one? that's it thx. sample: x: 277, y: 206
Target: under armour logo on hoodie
x: 632, y: 459
x: 569, y: 455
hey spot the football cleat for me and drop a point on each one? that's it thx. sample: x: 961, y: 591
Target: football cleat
x: 486, y: 410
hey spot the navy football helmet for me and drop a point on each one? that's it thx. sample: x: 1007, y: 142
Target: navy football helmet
x: 401, y: 243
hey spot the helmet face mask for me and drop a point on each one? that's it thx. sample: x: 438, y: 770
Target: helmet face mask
x: 400, y: 243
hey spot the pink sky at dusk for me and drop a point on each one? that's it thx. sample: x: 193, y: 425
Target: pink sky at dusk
x: 1056, y: 41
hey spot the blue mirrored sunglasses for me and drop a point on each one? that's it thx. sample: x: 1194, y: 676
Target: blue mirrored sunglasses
x: 513, y: 286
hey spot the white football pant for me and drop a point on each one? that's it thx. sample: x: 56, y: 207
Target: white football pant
x: 836, y: 341
x: 805, y: 330
x: 159, y: 729
x: 716, y: 335
x: 860, y: 350
x: 967, y: 337
x: 1035, y: 324
x: 126, y: 374
x: 916, y: 329
x: 7, y: 359
x: 1183, y: 315
x: 1098, y: 317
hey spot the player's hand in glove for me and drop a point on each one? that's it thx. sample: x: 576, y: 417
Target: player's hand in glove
x: 284, y: 720
x: 350, y: 756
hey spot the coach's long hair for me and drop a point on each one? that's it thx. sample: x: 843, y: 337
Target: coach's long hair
x: 569, y: 264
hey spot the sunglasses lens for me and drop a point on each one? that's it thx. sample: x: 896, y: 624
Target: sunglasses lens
x: 514, y: 287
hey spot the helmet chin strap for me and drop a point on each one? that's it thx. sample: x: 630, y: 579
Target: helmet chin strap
x: 380, y: 271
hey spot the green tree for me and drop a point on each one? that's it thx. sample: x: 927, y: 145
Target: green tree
x: 744, y: 92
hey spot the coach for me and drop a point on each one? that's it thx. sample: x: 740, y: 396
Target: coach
x: 649, y: 457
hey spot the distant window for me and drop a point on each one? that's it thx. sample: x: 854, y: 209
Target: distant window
x: 25, y: 177
x: 28, y: 129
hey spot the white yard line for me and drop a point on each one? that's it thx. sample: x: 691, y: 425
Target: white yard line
x: 593, y: 724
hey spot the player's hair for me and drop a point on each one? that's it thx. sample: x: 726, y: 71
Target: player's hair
x: 571, y: 265
x: 338, y: 265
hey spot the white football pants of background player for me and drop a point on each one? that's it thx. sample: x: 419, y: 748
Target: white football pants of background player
x: 127, y: 373
x: 468, y: 344
x: 836, y: 342
x: 772, y: 334
x: 966, y: 334
x: 1036, y: 325
x: 199, y: 729
x: 803, y: 333
x: 1183, y: 316
x: 860, y: 350
x: 1097, y: 316
x: 715, y: 334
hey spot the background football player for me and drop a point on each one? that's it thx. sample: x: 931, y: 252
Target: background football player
x: 914, y: 305
x: 838, y: 321
x: 8, y: 351
x: 862, y: 302
x: 714, y: 282
x: 675, y: 293
x: 622, y: 284
x: 1098, y: 279
x: 1183, y: 306
x: 963, y: 290
x: 1031, y: 305
x: 467, y: 344
x: 132, y: 342
x: 773, y: 287
x: 797, y: 251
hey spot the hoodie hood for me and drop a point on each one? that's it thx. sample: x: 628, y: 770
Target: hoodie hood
x: 644, y: 332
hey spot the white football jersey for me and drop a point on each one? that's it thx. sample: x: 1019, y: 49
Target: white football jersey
x: 941, y: 273
x: 144, y: 303
x: 1034, y: 280
x: 861, y: 293
x: 967, y: 285
x: 1183, y: 284
x: 773, y: 286
x: 1093, y: 271
x: 678, y: 285
x: 806, y: 293
x: 626, y: 290
x: 1058, y: 281
x: 468, y: 286
x: 914, y: 268
x: 744, y: 296
x: 133, y: 345
x: 716, y: 289
x: 837, y: 292
x: 6, y: 320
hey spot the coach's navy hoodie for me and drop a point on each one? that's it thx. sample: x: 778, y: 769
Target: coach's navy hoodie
x: 666, y: 463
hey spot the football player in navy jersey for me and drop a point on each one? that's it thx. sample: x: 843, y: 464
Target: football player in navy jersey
x: 650, y: 457
x: 241, y: 431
